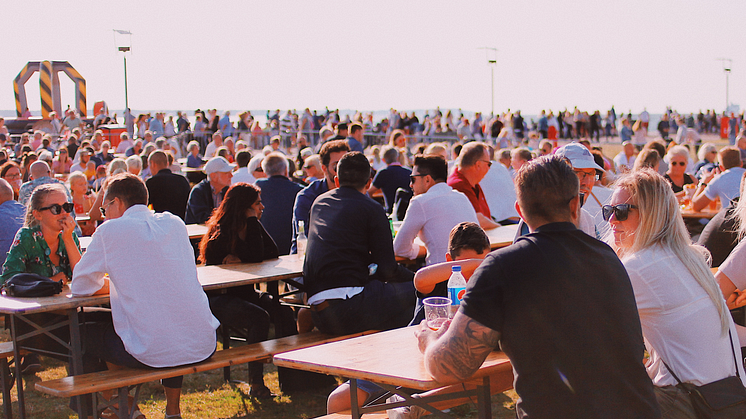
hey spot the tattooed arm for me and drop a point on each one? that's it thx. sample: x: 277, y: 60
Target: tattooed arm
x: 455, y: 354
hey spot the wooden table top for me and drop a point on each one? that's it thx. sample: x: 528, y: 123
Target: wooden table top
x: 211, y: 277
x: 232, y: 275
x: 502, y: 236
x: 390, y: 357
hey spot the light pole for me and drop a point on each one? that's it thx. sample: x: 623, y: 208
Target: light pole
x: 124, y: 48
x: 492, y: 62
x: 727, y: 64
x: 126, y: 99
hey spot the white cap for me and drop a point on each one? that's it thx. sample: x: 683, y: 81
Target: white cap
x: 578, y: 155
x: 218, y: 164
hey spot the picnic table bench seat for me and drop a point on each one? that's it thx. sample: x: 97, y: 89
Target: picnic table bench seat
x: 126, y: 378
x: 348, y: 414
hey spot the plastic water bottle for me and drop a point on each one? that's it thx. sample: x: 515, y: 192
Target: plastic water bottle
x: 456, y: 288
x: 301, y: 241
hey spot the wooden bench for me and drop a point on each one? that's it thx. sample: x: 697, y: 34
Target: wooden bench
x: 123, y: 379
x: 348, y: 414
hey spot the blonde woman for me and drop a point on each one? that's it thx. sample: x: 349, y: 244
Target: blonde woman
x: 685, y: 321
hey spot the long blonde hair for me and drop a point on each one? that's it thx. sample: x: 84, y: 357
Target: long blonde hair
x: 739, y: 213
x: 661, y: 224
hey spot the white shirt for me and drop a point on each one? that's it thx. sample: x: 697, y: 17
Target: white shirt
x: 243, y: 175
x: 679, y: 321
x: 734, y: 267
x: 726, y: 185
x: 210, y: 150
x: 124, y: 145
x: 621, y: 159
x: 431, y: 216
x: 499, y: 191
x: 159, y: 308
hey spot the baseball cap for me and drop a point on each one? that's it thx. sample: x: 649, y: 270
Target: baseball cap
x: 579, y: 156
x: 218, y: 164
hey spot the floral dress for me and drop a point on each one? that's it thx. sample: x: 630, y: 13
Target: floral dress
x: 29, y: 253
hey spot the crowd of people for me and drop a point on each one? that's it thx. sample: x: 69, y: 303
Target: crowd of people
x: 601, y: 251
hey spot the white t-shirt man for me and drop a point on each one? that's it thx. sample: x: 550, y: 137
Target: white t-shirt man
x: 431, y: 216
x: 158, y: 306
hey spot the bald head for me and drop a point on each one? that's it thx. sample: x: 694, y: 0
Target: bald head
x: 6, y: 191
x: 39, y: 169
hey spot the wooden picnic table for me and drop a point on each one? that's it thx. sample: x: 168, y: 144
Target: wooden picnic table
x: 370, y: 358
x: 708, y: 212
x: 499, y: 237
x: 211, y: 277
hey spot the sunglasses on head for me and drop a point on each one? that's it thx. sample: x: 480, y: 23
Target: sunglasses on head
x: 56, y: 209
x: 621, y: 211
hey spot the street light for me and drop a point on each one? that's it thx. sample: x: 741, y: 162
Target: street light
x: 727, y: 64
x: 124, y: 49
x: 492, y: 61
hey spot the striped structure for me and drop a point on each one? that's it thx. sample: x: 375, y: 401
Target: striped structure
x: 45, y: 88
x: 49, y: 87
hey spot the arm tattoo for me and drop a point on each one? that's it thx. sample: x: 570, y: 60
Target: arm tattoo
x: 463, y: 349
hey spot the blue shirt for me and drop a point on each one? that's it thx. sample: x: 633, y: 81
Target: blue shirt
x: 11, y: 220
x: 194, y: 162
x: 302, y: 207
x: 354, y: 144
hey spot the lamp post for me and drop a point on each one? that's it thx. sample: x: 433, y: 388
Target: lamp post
x: 492, y: 62
x: 126, y: 100
x: 124, y: 47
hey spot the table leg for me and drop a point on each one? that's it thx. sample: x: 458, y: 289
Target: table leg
x: 353, y: 399
x: 19, y: 378
x: 484, y: 400
x: 76, y: 358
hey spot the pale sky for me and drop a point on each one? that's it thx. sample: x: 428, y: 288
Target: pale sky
x: 374, y: 55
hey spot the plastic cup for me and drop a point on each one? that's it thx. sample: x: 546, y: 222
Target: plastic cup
x: 436, y: 311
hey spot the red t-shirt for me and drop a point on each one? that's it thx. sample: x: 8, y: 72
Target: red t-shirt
x: 458, y: 182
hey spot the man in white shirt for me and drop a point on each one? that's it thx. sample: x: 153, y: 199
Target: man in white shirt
x: 124, y: 142
x: 160, y: 314
x: 499, y: 191
x: 242, y: 174
x: 625, y: 160
x: 725, y: 185
x: 434, y: 210
x: 217, y: 141
x: 80, y: 166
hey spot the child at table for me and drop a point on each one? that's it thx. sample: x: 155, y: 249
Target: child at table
x: 468, y: 245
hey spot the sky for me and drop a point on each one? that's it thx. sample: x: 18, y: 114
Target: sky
x: 375, y: 55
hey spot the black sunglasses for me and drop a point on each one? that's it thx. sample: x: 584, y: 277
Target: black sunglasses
x: 680, y: 163
x: 412, y: 178
x: 56, y: 209
x: 103, y: 208
x: 621, y: 211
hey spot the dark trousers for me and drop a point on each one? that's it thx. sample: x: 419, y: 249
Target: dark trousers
x: 102, y: 343
x: 380, y: 306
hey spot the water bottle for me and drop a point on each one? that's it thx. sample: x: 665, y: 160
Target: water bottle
x: 456, y: 288
x: 301, y: 241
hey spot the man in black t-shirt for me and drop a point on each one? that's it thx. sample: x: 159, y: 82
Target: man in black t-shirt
x: 560, y: 305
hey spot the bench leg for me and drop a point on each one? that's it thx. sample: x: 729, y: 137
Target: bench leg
x: 484, y: 400
x: 7, y: 381
x: 226, y: 335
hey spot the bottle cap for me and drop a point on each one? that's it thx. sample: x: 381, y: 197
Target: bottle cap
x: 456, y: 268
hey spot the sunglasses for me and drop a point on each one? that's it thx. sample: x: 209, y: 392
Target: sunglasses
x: 103, y: 207
x: 621, y: 211
x: 56, y: 209
x: 680, y: 163
x: 412, y: 178
x: 489, y: 163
